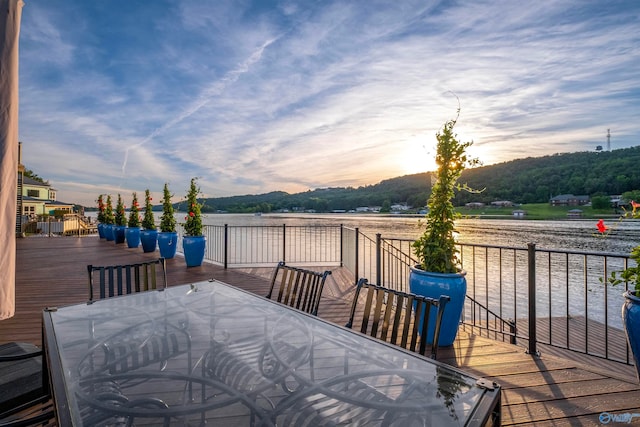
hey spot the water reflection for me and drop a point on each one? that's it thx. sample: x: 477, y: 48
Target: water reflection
x: 579, y: 235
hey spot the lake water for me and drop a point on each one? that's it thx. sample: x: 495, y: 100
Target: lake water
x: 570, y: 235
x: 581, y: 235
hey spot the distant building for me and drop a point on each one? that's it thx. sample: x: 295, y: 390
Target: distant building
x: 574, y: 213
x: 502, y: 204
x: 616, y: 200
x: 34, y: 197
x: 399, y: 207
x: 474, y: 205
x: 569, y: 200
x: 361, y: 209
x: 39, y: 199
x: 519, y: 213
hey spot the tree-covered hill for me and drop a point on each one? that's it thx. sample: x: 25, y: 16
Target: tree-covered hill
x: 536, y: 179
x: 530, y: 180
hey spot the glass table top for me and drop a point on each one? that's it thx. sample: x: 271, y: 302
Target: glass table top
x: 209, y: 352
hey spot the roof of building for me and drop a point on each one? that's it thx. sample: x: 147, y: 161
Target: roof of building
x: 45, y: 201
x: 30, y: 181
x: 569, y: 197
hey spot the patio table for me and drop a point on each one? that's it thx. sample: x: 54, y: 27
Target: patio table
x: 208, y: 352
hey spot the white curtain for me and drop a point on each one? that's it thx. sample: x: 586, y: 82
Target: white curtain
x: 10, y: 14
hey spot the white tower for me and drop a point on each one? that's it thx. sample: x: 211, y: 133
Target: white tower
x: 608, y: 139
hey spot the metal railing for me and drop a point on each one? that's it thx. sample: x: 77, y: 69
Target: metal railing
x: 67, y: 225
x: 529, y: 295
x: 234, y: 246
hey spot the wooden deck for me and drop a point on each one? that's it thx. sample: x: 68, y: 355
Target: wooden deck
x: 545, y: 390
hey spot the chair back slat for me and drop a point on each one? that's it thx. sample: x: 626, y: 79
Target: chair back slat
x: 115, y: 280
x: 376, y: 314
x: 396, y: 317
x: 297, y: 287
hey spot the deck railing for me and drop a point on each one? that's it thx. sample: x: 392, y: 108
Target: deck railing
x: 564, y: 291
x: 527, y: 295
x: 67, y: 225
x: 235, y: 246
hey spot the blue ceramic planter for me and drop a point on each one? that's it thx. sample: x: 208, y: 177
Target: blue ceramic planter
x: 101, y: 230
x: 107, y: 229
x: 168, y: 244
x: 433, y: 285
x: 631, y: 322
x: 132, y: 235
x: 118, y: 233
x: 149, y: 239
x: 193, y: 247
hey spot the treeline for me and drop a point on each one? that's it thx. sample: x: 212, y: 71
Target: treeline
x: 530, y: 180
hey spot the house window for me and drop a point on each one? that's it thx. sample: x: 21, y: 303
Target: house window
x: 33, y: 193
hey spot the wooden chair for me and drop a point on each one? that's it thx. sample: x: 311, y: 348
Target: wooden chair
x: 126, y: 279
x: 297, y: 287
x: 396, y: 317
x: 24, y: 396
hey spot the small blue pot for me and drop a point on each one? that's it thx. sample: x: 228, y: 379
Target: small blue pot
x: 631, y: 322
x: 168, y: 244
x: 149, y: 239
x: 118, y: 233
x: 433, y: 285
x: 132, y: 235
x: 193, y: 247
x: 107, y: 229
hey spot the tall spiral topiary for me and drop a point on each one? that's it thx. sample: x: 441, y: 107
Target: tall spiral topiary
x: 148, y: 222
x: 109, y: 218
x: 120, y: 215
x: 134, y: 212
x: 101, y: 208
x: 193, y: 220
x: 167, y: 220
x: 436, y: 248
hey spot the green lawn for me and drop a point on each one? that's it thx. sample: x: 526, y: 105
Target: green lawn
x: 539, y: 211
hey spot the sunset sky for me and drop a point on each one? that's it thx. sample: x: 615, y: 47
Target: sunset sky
x: 255, y: 96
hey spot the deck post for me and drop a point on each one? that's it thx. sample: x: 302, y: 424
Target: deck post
x: 531, y: 248
x: 226, y: 246
x: 356, y: 273
x: 284, y: 242
x: 378, y: 258
x: 341, y: 245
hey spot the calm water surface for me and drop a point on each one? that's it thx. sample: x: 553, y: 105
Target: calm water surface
x: 571, y: 235
x: 580, y: 235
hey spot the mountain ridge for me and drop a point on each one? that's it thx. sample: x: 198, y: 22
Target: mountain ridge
x: 528, y: 180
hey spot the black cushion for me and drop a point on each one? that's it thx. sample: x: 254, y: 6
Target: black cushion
x: 20, y: 380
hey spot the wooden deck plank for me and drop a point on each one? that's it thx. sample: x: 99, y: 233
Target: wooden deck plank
x: 568, y: 389
x: 623, y: 402
x: 545, y: 390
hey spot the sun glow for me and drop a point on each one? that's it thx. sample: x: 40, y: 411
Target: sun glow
x: 418, y: 156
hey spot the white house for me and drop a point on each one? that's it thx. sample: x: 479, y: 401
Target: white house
x: 39, y: 198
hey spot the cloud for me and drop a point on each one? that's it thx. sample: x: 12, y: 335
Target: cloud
x: 255, y: 97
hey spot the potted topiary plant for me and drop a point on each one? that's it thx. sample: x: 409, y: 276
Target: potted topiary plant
x: 168, y: 237
x: 193, y: 242
x: 109, y: 220
x: 100, y: 218
x: 439, y: 272
x: 149, y: 234
x: 630, y: 277
x: 631, y: 307
x: 120, y: 222
x: 132, y: 232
